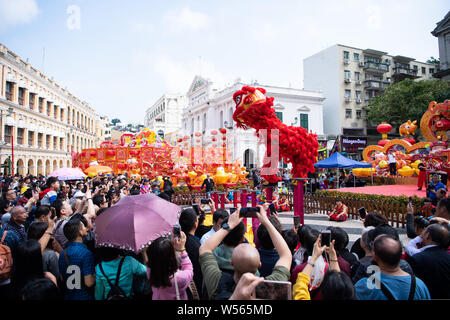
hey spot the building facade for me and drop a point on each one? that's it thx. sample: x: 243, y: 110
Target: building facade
x: 442, y: 32
x: 350, y: 76
x: 211, y: 108
x: 102, y: 129
x: 164, y: 116
x: 41, y: 121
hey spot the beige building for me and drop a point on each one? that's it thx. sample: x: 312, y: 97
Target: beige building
x: 45, y: 121
x: 349, y: 77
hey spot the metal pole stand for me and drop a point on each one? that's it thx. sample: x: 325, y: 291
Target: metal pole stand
x: 298, y: 199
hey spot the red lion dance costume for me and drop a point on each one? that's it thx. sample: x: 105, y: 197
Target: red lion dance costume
x: 296, y: 146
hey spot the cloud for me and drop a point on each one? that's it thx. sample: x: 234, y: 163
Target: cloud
x: 15, y: 12
x: 186, y: 19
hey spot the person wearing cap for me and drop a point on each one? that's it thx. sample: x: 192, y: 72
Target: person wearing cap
x: 339, y: 213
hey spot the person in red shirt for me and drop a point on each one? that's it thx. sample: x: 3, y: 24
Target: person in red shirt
x: 428, y: 209
x: 339, y: 213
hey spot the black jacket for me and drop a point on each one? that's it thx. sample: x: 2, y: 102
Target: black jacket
x: 192, y: 248
x: 432, y: 266
x: 209, y: 184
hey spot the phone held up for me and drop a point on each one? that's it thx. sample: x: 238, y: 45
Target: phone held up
x: 362, y: 212
x: 297, y: 222
x: 177, y: 231
x: 325, y: 238
x: 274, y: 290
x: 248, y: 212
x: 205, y: 201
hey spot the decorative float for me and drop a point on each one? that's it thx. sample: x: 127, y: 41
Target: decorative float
x: 147, y: 154
x: 434, y: 125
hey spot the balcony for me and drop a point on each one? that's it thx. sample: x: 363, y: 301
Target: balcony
x: 373, y: 85
x: 401, y: 73
x: 347, y: 99
x: 358, y: 100
x: 358, y: 82
x: 347, y: 80
x: 376, y: 67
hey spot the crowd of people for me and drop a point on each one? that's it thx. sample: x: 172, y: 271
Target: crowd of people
x: 48, y: 250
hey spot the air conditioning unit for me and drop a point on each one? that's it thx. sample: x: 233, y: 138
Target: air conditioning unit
x: 347, y: 80
x: 346, y: 61
x: 361, y: 64
x: 347, y: 99
x: 358, y: 100
x: 358, y: 82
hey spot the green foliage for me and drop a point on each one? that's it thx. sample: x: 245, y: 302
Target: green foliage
x: 433, y: 60
x: 115, y: 121
x: 417, y: 201
x: 406, y: 100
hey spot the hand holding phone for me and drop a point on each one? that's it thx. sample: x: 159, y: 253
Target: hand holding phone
x: 325, y: 236
x: 177, y: 231
x: 274, y: 290
x: 249, y: 212
x: 296, y: 222
x: 362, y: 212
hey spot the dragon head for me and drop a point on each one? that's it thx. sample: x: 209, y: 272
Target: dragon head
x: 246, y: 101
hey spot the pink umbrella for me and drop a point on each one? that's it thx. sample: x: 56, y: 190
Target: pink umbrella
x: 68, y: 174
x: 135, y: 221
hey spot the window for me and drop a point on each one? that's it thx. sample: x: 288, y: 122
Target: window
x: 347, y: 74
x: 48, y: 141
x: 358, y: 114
x: 356, y: 56
x: 61, y: 143
x: 304, y: 123
x: 31, y: 138
x: 21, y: 96
x: 55, y: 112
x: 358, y: 95
x: 8, y: 134
x: 31, y: 100
x: 357, y: 76
x: 9, y: 90
x: 415, y: 67
x: 40, y: 140
x: 348, y: 113
x: 346, y: 55
x: 279, y: 115
x: 48, y: 108
x: 347, y: 94
x: 424, y: 70
x: 20, y: 132
x: 431, y: 70
x: 55, y: 143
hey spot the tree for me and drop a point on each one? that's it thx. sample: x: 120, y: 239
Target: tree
x: 115, y: 121
x: 433, y: 60
x: 406, y: 100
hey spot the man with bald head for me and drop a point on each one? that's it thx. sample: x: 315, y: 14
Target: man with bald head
x: 17, y: 222
x: 389, y: 281
x: 245, y: 258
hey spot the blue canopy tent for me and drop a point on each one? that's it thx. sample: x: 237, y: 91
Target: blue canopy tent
x: 337, y: 160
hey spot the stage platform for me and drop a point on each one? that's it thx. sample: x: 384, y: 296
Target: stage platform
x: 387, y: 190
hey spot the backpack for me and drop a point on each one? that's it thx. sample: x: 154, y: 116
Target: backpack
x: 116, y: 292
x: 5, y: 260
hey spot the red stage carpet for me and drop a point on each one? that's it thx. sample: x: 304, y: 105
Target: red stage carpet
x: 387, y: 190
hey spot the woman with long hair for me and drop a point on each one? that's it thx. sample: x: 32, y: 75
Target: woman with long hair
x: 28, y: 265
x: 167, y: 280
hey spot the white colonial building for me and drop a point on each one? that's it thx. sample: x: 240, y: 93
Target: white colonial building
x: 211, y: 108
x: 164, y: 116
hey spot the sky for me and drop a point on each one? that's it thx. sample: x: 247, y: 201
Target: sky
x: 121, y: 56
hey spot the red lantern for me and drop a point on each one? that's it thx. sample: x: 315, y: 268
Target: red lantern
x: 384, y: 128
x: 179, y: 140
x: 224, y: 138
x: 213, y: 132
x: 122, y: 166
x: 93, y: 153
x: 224, y: 145
x: 223, y: 130
x: 110, y: 153
x: 214, y: 139
x: 186, y: 138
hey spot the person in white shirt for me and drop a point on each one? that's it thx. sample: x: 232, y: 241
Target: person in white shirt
x: 392, y: 164
x: 218, y: 217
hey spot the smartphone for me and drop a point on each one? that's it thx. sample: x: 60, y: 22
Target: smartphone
x: 205, y: 201
x: 248, y: 212
x: 177, y: 231
x: 272, y: 209
x: 274, y: 290
x: 362, y: 212
x: 410, y: 200
x: 325, y: 238
x: 296, y: 222
x: 232, y: 210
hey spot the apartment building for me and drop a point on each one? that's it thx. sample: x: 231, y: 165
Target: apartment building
x: 349, y: 77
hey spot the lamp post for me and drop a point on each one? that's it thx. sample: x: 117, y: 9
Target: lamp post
x: 10, y: 111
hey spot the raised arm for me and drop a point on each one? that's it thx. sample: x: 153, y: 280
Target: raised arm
x: 277, y: 240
